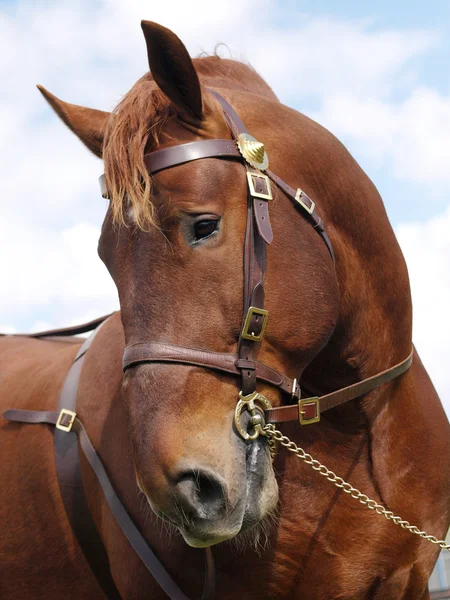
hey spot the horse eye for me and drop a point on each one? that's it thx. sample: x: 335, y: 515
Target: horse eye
x: 204, y: 229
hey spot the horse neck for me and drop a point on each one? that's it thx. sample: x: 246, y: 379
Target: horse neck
x: 374, y: 328
x: 232, y: 75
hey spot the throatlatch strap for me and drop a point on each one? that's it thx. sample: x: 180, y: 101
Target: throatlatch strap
x: 282, y: 414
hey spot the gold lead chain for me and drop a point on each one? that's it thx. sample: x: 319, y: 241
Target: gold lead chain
x: 276, y: 436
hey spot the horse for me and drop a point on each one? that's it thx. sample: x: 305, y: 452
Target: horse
x: 167, y: 432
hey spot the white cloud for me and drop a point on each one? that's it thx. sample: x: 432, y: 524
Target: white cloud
x: 56, y: 273
x: 426, y: 247
x: 324, y: 57
x: 411, y: 138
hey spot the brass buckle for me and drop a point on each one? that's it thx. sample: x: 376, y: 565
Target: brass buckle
x: 298, y: 197
x: 250, y: 335
x: 307, y: 403
x: 65, y: 412
x: 251, y: 185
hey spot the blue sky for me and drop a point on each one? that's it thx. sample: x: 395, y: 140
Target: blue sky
x: 376, y: 75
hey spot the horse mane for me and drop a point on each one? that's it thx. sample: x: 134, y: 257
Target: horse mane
x: 135, y: 127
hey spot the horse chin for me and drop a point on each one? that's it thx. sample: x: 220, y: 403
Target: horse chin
x: 203, y: 539
x: 250, y: 522
x: 244, y: 519
x: 252, y: 530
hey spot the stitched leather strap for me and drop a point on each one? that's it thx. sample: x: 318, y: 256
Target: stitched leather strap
x: 255, y: 242
x: 307, y: 207
x: 74, y: 498
x: 156, y: 352
x: 68, y: 471
x: 231, y: 363
x: 138, y: 543
x: 183, y: 153
x: 281, y: 414
x: 227, y: 149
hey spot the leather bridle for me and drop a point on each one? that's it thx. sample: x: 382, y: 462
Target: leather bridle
x: 68, y: 427
x: 258, y: 234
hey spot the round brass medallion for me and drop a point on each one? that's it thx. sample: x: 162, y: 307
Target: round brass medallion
x: 253, y: 151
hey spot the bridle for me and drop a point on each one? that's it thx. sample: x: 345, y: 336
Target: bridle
x: 246, y: 149
x: 69, y: 428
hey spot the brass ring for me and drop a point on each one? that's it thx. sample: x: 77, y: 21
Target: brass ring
x: 248, y: 403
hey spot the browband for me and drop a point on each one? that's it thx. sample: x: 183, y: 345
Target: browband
x: 180, y: 154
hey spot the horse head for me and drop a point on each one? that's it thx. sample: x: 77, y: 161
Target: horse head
x: 173, y: 243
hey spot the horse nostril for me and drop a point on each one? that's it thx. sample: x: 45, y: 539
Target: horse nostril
x: 201, y: 495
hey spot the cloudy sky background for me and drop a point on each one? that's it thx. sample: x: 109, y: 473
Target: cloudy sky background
x: 376, y: 76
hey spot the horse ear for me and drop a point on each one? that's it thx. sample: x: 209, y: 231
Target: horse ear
x: 172, y: 69
x: 87, y: 124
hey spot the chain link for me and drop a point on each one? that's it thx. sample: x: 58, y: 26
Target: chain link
x: 274, y: 436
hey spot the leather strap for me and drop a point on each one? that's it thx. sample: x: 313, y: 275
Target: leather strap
x: 74, y: 498
x: 138, y: 543
x: 156, y: 352
x: 307, y: 206
x: 255, y: 242
x: 260, y: 206
x: 63, y: 331
x: 282, y: 414
x: 183, y: 153
x: 230, y: 363
x: 68, y: 471
x: 227, y: 149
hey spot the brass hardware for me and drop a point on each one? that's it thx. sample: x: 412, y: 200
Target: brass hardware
x: 251, y: 185
x: 256, y: 418
x: 69, y: 413
x: 274, y: 436
x: 303, y: 405
x: 252, y: 151
x: 298, y: 197
x: 245, y: 330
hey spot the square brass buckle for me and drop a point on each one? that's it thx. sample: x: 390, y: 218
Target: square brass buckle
x: 66, y: 413
x: 251, y: 185
x: 249, y: 335
x: 309, y: 209
x: 309, y: 411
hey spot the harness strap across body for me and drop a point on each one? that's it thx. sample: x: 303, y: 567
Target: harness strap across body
x: 68, y: 431
x: 68, y: 468
x: 63, y: 331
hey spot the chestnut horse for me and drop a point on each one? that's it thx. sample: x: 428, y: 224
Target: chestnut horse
x: 174, y: 246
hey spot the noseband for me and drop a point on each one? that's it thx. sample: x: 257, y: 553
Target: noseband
x: 249, y: 151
